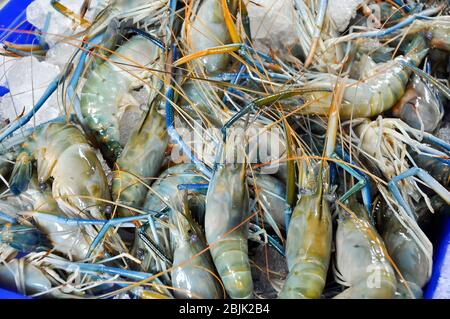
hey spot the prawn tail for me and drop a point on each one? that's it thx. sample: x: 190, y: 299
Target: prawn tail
x: 306, y: 280
x: 416, y: 49
x: 231, y: 259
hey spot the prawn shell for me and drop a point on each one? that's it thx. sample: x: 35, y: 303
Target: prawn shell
x: 107, y: 85
x: 208, y: 29
x: 362, y: 260
x: 142, y: 156
x: 308, y: 248
x: 79, y: 182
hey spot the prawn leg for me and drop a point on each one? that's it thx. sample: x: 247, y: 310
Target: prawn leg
x: 442, y: 88
x: 425, y: 177
x: 406, y: 22
x: 363, y: 184
x: 242, y: 50
x: 109, y: 224
x: 98, y: 268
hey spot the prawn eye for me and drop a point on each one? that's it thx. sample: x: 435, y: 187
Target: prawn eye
x: 192, y: 236
x: 140, y: 254
x: 108, y: 209
x: 42, y: 186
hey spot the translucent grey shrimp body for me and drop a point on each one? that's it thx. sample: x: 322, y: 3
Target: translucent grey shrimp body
x: 407, y: 253
x: 226, y: 229
x: 22, y: 277
x: 107, y: 87
x: 195, y: 274
x: 165, y: 189
x: 162, y: 197
x: 67, y: 239
x: 272, y: 196
x: 361, y: 257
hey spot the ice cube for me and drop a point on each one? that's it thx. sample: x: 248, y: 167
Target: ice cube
x: 60, y: 54
x: 60, y: 27
x: 5, y: 64
x: 272, y: 24
x: 27, y: 80
x: 341, y: 11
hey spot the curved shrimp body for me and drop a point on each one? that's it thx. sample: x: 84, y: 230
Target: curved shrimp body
x: 20, y: 276
x: 67, y: 239
x: 308, y: 247
x: 378, y: 92
x: 194, y: 277
x: 63, y: 153
x: 164, y: 194
x: 141, y: 159
x: 361, y: 258
x: 106, y: 87
x: 226, y: 230
x: 406, y: 252
x: 206, y: 30
x: 165, y: 189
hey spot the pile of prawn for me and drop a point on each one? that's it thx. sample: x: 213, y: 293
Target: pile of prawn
x: 311, y: 173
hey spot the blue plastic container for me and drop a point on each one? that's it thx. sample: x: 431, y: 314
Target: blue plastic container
x: 13, y: 17
x: 439, y: 285
x: 3, y: 90
x: 6, y: 294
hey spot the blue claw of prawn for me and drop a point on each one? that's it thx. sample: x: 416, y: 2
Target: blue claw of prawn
x: 23, y: 238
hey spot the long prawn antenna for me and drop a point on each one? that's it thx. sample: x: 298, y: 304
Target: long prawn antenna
x: 404, y: 23
x: 264, y: 102
x: 170, y: 123
x: 147, y: 36
x: 442, y: 88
